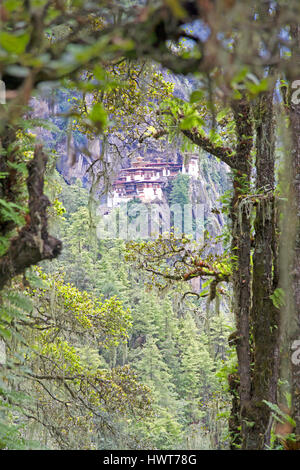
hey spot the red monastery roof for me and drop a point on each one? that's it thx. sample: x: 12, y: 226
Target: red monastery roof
x: 143, y: 175
x: 119, y: 182
x: 144, y: 179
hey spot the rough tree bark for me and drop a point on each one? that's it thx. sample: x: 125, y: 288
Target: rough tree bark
x: 290, y: 253
x: 256, y: 316
x: 239, y: 161
x: 290, y: 257
x: 241, y: 250
x: 33, y: 242
x: 294, y: 202
x: 264, y: 315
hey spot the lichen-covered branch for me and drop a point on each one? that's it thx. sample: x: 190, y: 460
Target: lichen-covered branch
x: 226, y: 154
x: 33, y: 243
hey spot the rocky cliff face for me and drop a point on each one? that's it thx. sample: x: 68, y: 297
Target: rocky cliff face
x: 77, y: 157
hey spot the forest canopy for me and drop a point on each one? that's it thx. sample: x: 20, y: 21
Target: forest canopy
x: 113, y: 112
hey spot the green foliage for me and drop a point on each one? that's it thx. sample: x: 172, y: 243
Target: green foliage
x: 15, y: 306
x: 180, y: 190
x: 278, y: 297
x: 61, y: 371
x: 86, y: 354
x: 90, y: 321
x: 14, y: 44
x: 128, y: 93
x: 279, y: 415
x: 170, y: 354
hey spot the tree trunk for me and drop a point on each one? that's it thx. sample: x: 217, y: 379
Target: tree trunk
x: 294, y: 203
x: 241, y: 250
x: 32, y: 243
x: 290, y: 259
x: 264, y: 315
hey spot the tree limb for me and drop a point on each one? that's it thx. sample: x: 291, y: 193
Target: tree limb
x: 226, y: 154
x: 33, y: 243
